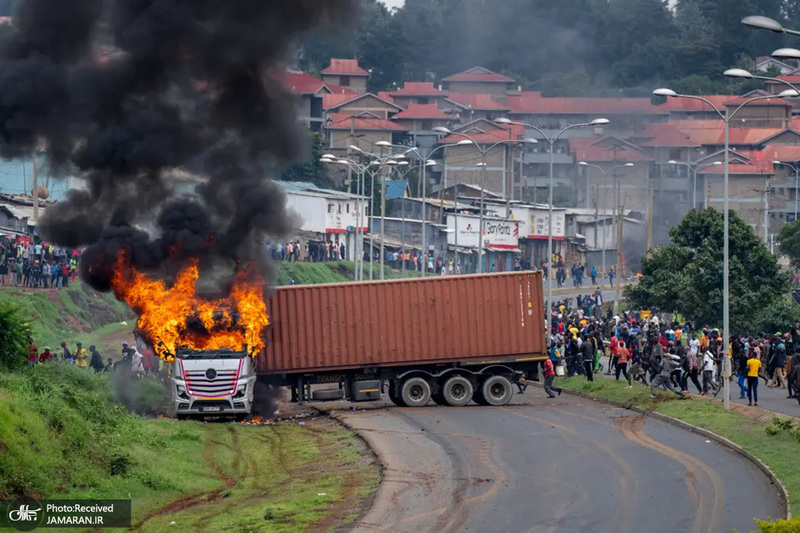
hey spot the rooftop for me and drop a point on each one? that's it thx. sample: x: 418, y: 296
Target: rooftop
x: 754, y: 168
x: 663, y: 134
x: 479, y: 74
x: 535, y: 103
x: 345, y: 67
x: 302, y: 83
x: 418, y: 88
x: 346, y: 121
x: 421, y: 111
x: 481, y: 102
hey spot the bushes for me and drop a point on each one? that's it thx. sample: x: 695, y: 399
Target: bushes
x: 778, y: 425
x: 14, y: 333
x: 779, y: 526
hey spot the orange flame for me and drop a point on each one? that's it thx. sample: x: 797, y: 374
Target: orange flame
x: 171, y: 318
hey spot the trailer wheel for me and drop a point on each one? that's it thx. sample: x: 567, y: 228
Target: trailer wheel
x: 394, y: 396
x: 457, y: 391
x: 496, y: 390
x: 478, y: 398
x: 415, y: 392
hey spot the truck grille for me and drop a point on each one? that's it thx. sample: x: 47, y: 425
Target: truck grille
x: 205, y: 384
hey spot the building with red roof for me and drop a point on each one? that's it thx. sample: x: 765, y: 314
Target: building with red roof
x: 360, y: 103
x: 362, y: 130
x: 419, y: 92
x: 479, y: 80
x: 422, y: 117
x: 346, y: 73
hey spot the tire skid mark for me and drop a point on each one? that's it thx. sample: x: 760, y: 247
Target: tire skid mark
x: 709, y: 510
x: 629, y: 482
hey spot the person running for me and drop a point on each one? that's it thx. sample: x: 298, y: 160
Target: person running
x: 622, y: 362
x: 708, y: 373
x: 549, y: 376
x: 668, y: 363
x: 692, y: 372
x: 753, y: 366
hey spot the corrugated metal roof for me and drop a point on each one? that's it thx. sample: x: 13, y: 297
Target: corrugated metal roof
x: 479, y: 74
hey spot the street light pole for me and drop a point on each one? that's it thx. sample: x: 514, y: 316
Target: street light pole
x: 483, y: 153
x: 551, y: 140
x: 726, y: 117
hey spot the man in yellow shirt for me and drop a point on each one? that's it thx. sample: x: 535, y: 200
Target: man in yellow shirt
x: 80, y: 356
x: 753, y: 366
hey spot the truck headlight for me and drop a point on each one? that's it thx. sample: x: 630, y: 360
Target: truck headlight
x: 241, y: 392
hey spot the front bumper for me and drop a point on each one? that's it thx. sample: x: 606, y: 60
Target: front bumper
x: 239, y: 403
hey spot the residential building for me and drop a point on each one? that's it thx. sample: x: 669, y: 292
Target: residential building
x: 326, y: 215
x: 362, y: 130
x: 346, y: 73
x: 479, y: 80
x: 310, y: 92
x: 414, y: 92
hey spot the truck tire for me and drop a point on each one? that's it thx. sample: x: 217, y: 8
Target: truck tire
x: 415, y: 392
x: 394, y: 395
x: 496, y: 390
x: 457, y: 391
x: 478, y: 398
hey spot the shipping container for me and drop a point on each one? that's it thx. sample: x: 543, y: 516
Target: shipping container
x: 383, y: 333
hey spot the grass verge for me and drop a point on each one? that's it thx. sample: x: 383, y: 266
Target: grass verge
x: 62, y: 435
x: 775, y: 445
x: 332, y: 272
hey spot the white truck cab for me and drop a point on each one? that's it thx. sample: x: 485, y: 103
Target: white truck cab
x: 212, y: 383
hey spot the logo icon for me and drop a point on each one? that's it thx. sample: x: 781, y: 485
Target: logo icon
x: 211, y: 373
x: 25, y: 514
x: 469, y: 227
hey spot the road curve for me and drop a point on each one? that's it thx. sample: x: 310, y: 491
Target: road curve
x: 560, y: 465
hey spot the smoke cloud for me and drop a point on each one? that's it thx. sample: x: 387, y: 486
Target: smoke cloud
x: 124, y: 92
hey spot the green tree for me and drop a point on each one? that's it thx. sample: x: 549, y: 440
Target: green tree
x: 686, y: 275
x: 14, y: 334
x: 789, y: 242
x: 312, y: 169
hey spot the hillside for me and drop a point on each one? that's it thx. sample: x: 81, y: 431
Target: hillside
x: 62, y: 435
x: 330, y: 272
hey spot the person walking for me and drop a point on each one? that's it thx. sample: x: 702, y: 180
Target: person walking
x: 80, y: 356
x: 692, y: 372
x: 549, y: 376
x: 96, y: 360
x: 753, y: 366
x: 708, y: 373
x: 622, y: 363
x: 587, y: 353
x: 66, y: 355
x: 779, y: 363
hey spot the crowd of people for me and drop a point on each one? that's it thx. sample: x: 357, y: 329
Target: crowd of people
x: 670, y: 356
x: 578, y: 272
x: 310, y: 252
x: 36, y: 264
x: 131, y: 361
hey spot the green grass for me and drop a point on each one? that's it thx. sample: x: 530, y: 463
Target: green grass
x: 332, y: 272
x: 62, y: 436
x: 778, y: 451
x: 68, y: 314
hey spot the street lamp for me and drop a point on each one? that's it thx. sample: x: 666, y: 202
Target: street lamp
x: 360, y: 172
x: 693, y: 169
x: 726, y: 117
x: 483, y: 152
x: 796, y: 169
x: 551, y: 140
x: 428, y: 163
x: 381, y: 162
x: 759, y: 22
x: 747, y: 75
x: 605, y: 172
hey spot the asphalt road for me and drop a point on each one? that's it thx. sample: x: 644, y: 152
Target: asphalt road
x: 558, y: 465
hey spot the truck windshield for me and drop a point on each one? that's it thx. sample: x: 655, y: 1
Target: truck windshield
x: 209, y: 354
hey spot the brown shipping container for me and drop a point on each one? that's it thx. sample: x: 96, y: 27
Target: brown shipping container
x: 399, y: 322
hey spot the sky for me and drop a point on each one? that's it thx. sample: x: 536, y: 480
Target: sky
x: 393, y: 3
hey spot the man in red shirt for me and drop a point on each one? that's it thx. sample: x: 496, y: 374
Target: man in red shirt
x: 549, y: 376
x: 46, y: 355
x: 32, y: 355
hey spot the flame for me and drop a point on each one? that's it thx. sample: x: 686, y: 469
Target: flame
x: 171, y: 318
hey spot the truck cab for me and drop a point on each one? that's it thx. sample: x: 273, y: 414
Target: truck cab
x: 212, y: 383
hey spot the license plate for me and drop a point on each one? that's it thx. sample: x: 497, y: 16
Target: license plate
x: 212, y: 408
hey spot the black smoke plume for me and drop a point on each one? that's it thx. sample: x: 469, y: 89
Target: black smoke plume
x: 124, y: 93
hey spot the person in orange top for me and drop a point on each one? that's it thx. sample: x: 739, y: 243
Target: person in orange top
x: 622, y: 362
x: 549, y: 376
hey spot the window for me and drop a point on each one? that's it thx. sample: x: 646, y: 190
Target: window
x: 422, y: 100
x: 427, y: 125
x: 675, y: 154
x: 348, y: 208
x: 344, y: 81
x: 340, y: 209
x: 330, y: 208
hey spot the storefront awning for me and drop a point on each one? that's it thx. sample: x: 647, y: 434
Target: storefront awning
x: 498, y: 250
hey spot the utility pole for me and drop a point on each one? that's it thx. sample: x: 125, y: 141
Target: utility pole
x: 618, y: 267
x: 35, y: 187
x: 596, y: 218
x: 650, y: 219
